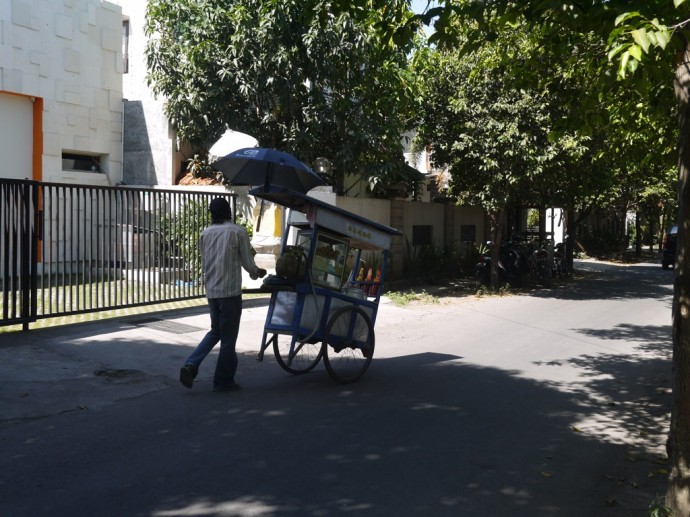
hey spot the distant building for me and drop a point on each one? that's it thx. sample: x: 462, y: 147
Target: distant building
x: 152, y: 153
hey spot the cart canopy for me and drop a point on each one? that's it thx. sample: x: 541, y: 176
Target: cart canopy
x: 363, y: 233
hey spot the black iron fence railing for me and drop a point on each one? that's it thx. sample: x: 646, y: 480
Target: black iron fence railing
x: 18, y: 251
x: 69, y: 249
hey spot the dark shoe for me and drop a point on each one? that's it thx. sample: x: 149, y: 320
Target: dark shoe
x: 187, y: 374
x: 231, y: 387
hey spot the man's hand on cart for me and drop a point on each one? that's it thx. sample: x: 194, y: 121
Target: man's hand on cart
x: 261, y: 274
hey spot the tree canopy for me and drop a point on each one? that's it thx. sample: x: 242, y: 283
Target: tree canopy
x: 648, y: 41
x: 504, y: 139
x: 332, y: 78
x: 297, y: 75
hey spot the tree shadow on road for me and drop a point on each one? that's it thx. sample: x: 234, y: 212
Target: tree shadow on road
x: 613, y: 282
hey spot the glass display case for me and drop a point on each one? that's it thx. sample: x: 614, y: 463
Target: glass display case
x: 328, y: 262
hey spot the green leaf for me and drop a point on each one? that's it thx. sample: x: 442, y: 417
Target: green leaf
x: 653, y: 40
x: 617, y: 50
x: 623, y: 66
x: 626, y: 16
x: 636, y: 52
x: 642, y: 39
x: 663, y: 37
x: 677, y: 3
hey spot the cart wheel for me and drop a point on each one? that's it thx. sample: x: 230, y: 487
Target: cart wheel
x: 348, y: 344
x: 305, y: 356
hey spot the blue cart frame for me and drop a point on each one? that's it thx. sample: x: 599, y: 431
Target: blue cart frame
x: 308, y: 320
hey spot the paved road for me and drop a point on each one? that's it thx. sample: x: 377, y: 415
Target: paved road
x: 550, y: 404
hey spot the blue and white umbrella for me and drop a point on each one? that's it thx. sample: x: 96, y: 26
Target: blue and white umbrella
x: 262, y: 166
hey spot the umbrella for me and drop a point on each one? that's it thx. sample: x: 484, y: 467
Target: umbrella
x: 261, y: 166
x: 228, y: 142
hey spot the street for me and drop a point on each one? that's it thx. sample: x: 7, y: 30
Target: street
x: 551, y: 403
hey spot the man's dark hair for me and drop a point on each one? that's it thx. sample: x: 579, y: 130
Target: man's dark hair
x: 220, y: 210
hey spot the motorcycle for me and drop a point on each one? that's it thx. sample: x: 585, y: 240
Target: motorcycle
x: 537, y: 265
x: 510, y: 268
x: 482, y: 269
x: 560, y: 263
x: 543, y: 268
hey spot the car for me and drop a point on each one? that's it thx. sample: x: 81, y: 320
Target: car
x: 668, y: 247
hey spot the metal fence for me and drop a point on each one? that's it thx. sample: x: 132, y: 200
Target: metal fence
x: 69, y: 249
x: 18, y: 250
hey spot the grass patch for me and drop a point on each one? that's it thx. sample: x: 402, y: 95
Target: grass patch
x: 105, y: 315
x: 88, y: 317
x: 402, y: 298
x: 104, y: 300
x: 484, y: 290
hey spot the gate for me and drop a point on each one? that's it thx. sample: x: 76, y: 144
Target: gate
x: 18, y: 251
x: 69, y: 249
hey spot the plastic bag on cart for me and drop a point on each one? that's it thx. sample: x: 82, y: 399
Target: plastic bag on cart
x: 292, y: 264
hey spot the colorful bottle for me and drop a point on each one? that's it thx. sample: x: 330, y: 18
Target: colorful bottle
x: 367, y: 281
x: 360, y: 276
x: 375, y: 286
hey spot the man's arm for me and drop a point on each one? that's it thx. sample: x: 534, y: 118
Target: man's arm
x: 248, y: 259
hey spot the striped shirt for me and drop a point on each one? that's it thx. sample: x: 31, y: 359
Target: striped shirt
x: 225, y: 250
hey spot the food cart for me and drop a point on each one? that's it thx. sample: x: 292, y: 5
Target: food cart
x: 326, y: 291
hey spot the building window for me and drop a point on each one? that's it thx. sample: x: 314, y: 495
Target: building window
x: 125, y: 46
x: 468, y: 232
x: 422, y: 235
x: 81, y: 162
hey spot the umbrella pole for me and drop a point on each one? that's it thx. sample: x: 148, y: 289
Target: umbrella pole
x: 267, y: 183
x: 261, y: 213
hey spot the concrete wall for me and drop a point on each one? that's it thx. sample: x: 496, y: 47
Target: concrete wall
x: 378, y: 210
x: 67, y: 55
x: 445, y: 220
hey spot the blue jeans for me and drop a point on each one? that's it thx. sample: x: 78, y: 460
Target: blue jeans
x: 225, y: 325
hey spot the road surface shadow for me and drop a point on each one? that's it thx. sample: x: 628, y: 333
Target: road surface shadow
x: 421, y: 434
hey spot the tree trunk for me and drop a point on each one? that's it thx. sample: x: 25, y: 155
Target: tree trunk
x: 496, y: 218
x: 622, y: 234
x: 571, y: 231
x: 638, y: 234
x: 678, y: 444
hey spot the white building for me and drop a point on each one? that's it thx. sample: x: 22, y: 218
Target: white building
x: 61, y: 91
x: 75, y: 108
x: 151, y: 152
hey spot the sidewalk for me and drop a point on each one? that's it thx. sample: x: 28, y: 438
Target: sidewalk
x: 47, y: 371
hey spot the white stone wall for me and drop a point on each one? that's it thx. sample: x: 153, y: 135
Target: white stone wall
x: 69, y: 53
x: 16, y: 135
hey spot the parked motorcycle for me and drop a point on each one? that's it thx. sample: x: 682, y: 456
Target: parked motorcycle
x: 482, y: 269
x: 510, y: 267
x: 543, y: 266
x: 537, y: 262
x: 561, y: 268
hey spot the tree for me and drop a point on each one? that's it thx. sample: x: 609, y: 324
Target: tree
x: 645, y: 38
x: 296, y: 75
x: 501, y: 136
x: 643, y: 145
